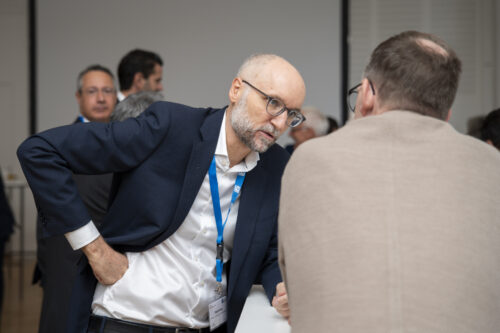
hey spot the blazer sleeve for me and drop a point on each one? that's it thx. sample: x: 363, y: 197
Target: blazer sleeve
x: 270, y: 274
x: 49, y: 159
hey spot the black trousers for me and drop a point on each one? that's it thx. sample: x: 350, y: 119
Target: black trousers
x: 98, y: 324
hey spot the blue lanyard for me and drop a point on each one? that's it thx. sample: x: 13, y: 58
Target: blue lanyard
x: 81, y: 119
x: 214, y: 189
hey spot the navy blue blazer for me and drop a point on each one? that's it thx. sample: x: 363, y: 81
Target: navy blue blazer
x: 160, y: 160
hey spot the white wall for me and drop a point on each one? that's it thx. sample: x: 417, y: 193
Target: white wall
x: 202, y: 43
x: 14, y: 123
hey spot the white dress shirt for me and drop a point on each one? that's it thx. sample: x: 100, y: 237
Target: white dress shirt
x: 120, y: 96
x: 173, y: 283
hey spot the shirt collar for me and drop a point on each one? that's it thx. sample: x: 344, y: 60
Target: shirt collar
x: 222, y: 158
x: 120, y: 96
x: 82, y: 119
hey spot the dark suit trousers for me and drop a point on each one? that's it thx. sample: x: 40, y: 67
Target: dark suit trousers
x: 57, y: 261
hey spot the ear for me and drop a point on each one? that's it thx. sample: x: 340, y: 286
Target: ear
x: 235, y: 90
x: 448, y: 116
x: 367, y: 103
x: 139, y: 81
x: 78, y: 96
x: 310, y: 132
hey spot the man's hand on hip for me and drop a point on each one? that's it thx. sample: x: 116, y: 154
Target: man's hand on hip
x: 107, y: 264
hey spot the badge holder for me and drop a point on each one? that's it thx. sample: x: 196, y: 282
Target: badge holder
x: 217, y: 310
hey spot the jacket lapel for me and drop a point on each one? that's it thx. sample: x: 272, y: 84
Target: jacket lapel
x: 252, y: 195
x: 197, y: 167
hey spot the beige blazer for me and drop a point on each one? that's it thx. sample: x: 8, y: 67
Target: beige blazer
x: 392, y: 224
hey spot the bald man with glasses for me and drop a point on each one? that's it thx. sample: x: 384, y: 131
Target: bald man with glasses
x: 192, y: 219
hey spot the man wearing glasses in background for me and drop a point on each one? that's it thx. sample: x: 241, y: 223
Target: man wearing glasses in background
x: 56, y: 260
x: 95, y: 94
x: 180, y: 247
x: 392, y: 223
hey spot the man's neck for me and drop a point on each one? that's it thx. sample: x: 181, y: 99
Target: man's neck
x: 130, y: 91
x: 126, y: 92
x: 236, y: 150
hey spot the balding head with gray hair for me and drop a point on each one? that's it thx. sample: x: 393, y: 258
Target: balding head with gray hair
x: 135, y: 104
x: 316, y: 124
x: 415, y: 71
x: 315, y: 120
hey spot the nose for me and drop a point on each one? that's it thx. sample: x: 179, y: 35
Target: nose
x: 100, y: 96
x: 279, y: 122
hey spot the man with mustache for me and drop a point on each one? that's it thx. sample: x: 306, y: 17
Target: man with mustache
x: 180, y: 247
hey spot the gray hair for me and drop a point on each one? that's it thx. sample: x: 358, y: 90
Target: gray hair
x: 415, y: 71
x: 91, y: 68
x: 135, y: 104
x: 315, y: 120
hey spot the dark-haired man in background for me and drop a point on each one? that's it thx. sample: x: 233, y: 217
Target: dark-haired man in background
x: 139, y: 70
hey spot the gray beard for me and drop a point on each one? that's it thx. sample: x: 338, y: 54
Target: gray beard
x: 245, y: 128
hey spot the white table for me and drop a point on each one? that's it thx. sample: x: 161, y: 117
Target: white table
x: 259, y: 316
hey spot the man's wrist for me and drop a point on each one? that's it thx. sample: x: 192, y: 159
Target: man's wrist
x: 95, y: 248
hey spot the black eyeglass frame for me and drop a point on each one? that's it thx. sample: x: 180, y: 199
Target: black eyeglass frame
x: 292, y: 113
x: 354, y: 90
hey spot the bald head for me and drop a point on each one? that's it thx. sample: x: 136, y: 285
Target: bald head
x: 274, y: 73
x: 431, y: 46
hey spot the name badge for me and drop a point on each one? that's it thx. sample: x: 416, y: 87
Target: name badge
x: 217, y: 311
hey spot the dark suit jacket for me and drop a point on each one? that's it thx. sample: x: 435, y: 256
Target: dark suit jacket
x: 160, y: 160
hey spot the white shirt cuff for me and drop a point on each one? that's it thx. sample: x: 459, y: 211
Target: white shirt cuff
x: 82, y: 236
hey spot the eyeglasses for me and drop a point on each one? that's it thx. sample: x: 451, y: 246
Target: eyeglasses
x: 352, y: 95
x: 275, y: 107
